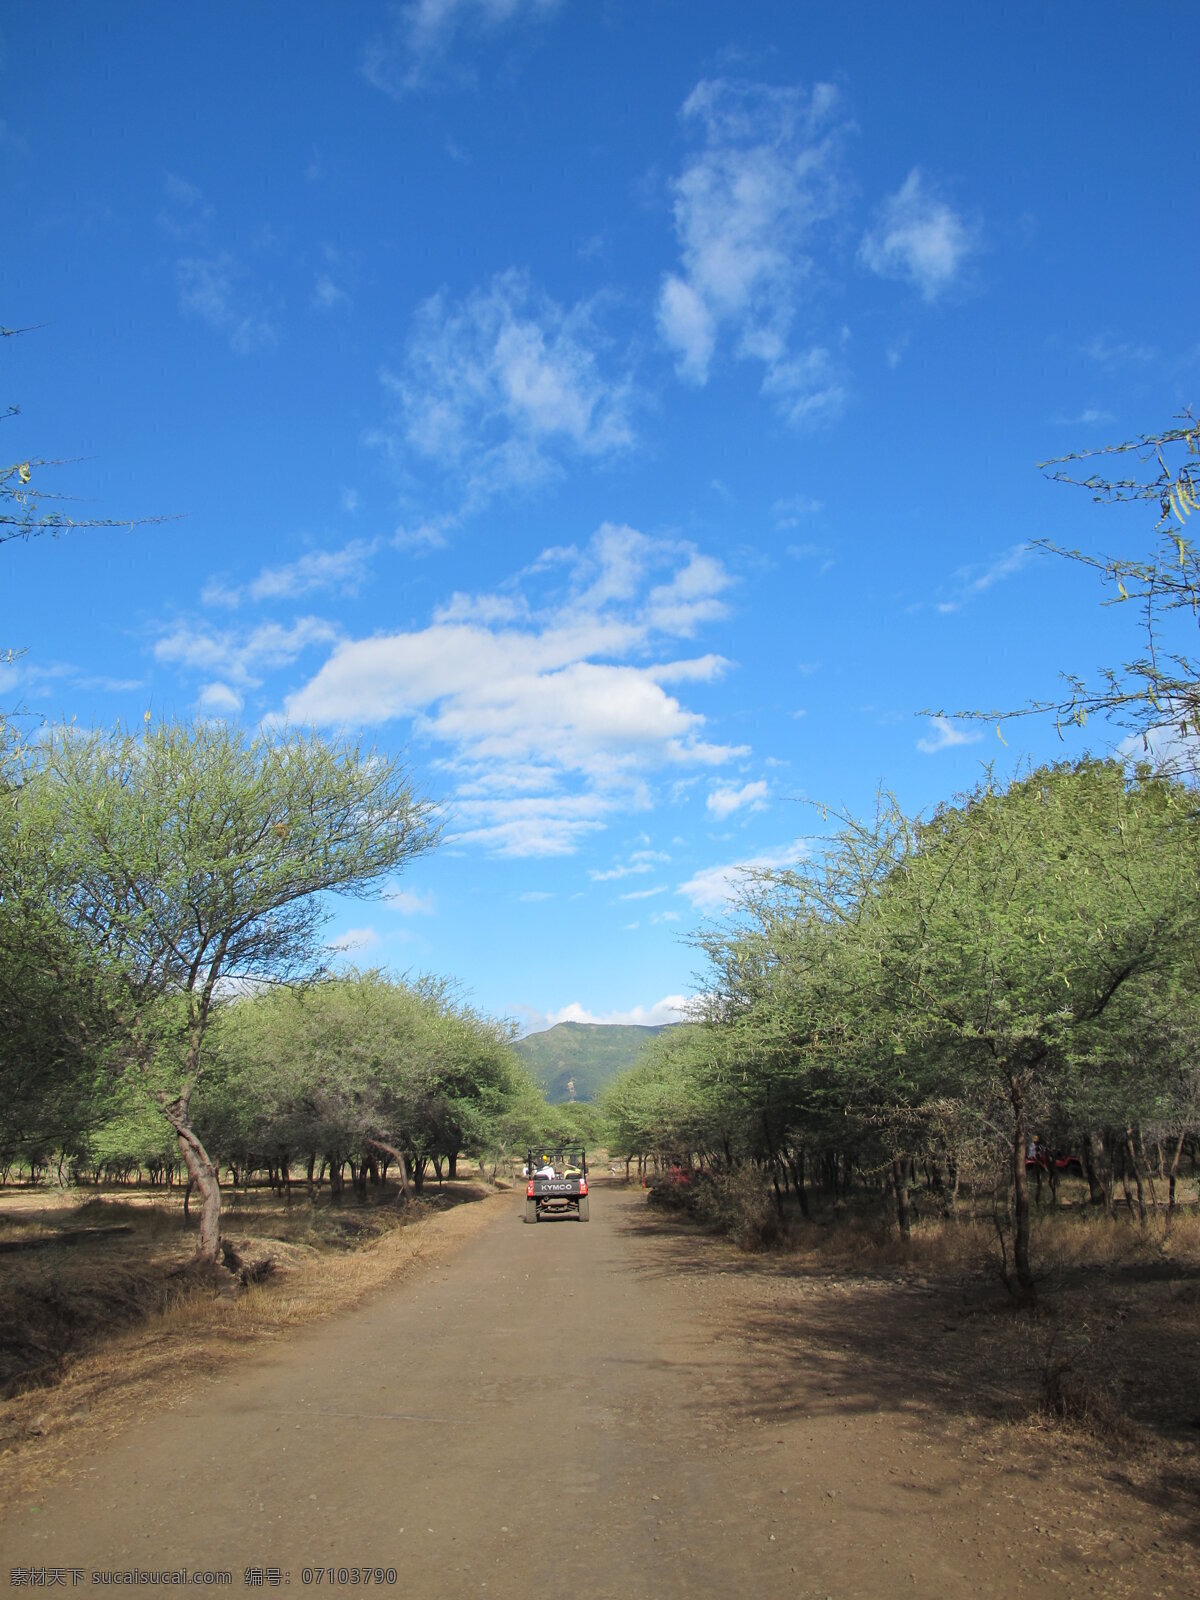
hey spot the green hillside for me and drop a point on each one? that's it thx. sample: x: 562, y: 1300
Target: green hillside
x: 574, y: 1060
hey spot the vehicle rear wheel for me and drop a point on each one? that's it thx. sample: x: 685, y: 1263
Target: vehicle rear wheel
x: 531, y: 1211
x: 583, y: 1209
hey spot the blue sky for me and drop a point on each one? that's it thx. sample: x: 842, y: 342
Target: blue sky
x: 629, y: 410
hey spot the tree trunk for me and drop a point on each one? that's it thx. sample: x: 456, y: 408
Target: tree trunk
x: 452, y: 1165
x: 953, y: 1172
x: 1097, y: 1171
x: 1145, y: 1161
x: 797, y: 1165
x: 401, y: 1164
x: 203, y: 1175
x: 901, y: 1168
x: 1131, y: 1158
x: 777, y: 1189
x: 1025, y: 1292
x: 1174, y: 1172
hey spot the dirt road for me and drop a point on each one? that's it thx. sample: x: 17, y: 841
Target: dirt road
x: 586, y: 1410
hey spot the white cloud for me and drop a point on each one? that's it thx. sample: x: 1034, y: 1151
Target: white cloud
x: 209, y: 288
x: 640, y: 861
x: 542, y: 825
x: 796, y: 508
x: 643, y: 894
x: 343, y: 570
x: 1106, y: 351
x: 919, y: 238
x: 484, y: 608
x: 409, y: 903
x: 353, y: 939
x: 945, y: 735
x: 553, y: 717
x: 746, y: 207
x: 218, y: 699
x: 664, y: 916
x: 974, y: 580
x: 716, y: 887
x: 725, y: 799
x: 671, y: 1008
x: 415, y: 53
x: 1089, y: 417
x: 497, y: 389
x: 186, y: 213
x: 1165, y: 749
x: 688, y: 326
x: 326, y: 295
x: 242, y: 657
x: 535, y: 896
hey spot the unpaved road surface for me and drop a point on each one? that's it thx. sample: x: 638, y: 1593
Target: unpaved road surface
x: 588, y: 1410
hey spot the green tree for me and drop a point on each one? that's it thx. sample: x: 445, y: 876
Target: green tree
x: 357, y: 1064
x: 199, y: 856
x: 58, y: 1011
x: 1011, y: 924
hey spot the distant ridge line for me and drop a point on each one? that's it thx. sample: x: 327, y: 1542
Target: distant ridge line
x: 576, y: 1060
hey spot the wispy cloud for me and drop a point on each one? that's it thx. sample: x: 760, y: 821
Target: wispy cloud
x: 946, y: 735
x: 1110, y: 352
x: 643, y: 894
x: 342, y: 571
x: 409, y: 903
x: 794, y: 510
x: 212, y: 283
x: 185, y: 212
x: 241, y: 656
x: 353, y: 939
x: 1089, y: 417
x: 640, y: 861
x: 427, y: 40
x: 499, y: 390
x: 328, y: 295
x: 725, y: 800
x: 975, y: 580
x: 716, y: 887
x: 211, y: 289
x: 746, y: 207
x: 919, y: 238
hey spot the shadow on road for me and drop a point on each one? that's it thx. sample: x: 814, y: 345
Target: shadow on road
x: 1111, y: 1354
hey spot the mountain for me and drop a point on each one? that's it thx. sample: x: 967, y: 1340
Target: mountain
x: 574, y: 1060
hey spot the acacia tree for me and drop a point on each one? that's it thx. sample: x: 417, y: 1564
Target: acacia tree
x: 353, y: 1065
x: 1015, y: 921
x: 56, y: 1008
x: 199, y: 855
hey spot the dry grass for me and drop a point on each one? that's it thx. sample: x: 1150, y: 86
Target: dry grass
x: 1065, y: 1238
x: 95, y: 1332
x: 1108, y: 1355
